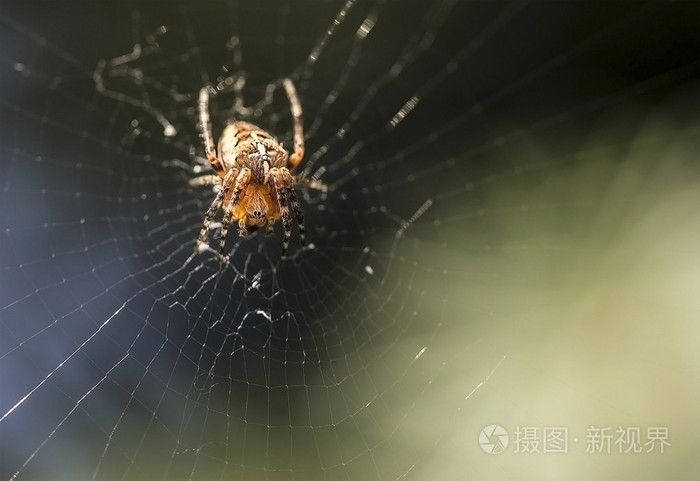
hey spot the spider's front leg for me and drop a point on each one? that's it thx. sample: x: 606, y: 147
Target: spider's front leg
x: 205, y: 126
x: 282, y: 183
x: 297, y: 115
x: 213, y: 208
x: 241, y: 182
x: 225, y: 223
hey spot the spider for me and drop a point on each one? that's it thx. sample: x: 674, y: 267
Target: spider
x: 253, y: 172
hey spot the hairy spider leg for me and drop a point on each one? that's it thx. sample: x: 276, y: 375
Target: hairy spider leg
x: 242, y: 180
x: 291, y: 193
x: 225, y: 223
x: 205, y: 180
x: 310, y: 183
x: 205, y: 126
x: 277, y: 184
x: 214, y: 207
x: 298, y: 154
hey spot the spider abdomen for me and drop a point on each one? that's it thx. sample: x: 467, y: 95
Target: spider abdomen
x: 243, y: 144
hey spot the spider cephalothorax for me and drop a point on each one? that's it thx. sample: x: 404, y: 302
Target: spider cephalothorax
x: 253, y: 170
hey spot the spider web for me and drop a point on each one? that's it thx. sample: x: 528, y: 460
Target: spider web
x: 509, y: 237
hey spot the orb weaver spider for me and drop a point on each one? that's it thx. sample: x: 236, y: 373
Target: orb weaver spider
x: 252, y: 170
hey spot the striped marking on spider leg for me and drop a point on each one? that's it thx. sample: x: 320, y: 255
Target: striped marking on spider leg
x: 242, y: 181
x: 214, y: 207
x: 291, y: 193
x: 277, y: 181
x: 225, y: 223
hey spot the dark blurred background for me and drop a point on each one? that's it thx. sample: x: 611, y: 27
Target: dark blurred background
x: 519, y: 250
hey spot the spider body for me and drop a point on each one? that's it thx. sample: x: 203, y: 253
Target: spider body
x: 244, y: 147
x: 253, y: 171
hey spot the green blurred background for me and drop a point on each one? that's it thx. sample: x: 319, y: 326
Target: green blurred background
x: 550, y: 280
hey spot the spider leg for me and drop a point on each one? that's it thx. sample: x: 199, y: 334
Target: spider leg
x: 295, y: 105
x: 310, y: 183
x: 292, y: 195
x: 205, y: 180
x: 225, y: 223
x: 277, y: 185
x: 205, y: 125
x: 242, y: 180
x: 214, y: 207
